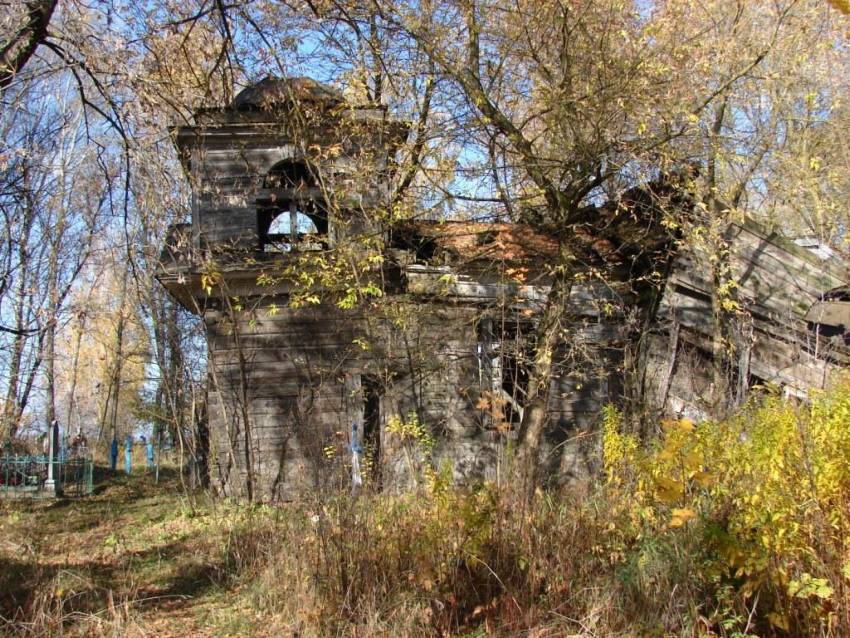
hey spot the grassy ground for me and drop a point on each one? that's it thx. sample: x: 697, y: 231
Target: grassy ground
x: 733, y: 529
x: 145, y: 559
x: 134, y: 559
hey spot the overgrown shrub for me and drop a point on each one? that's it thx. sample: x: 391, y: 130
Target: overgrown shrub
x: 728, y: 528
x: 732, y: 528
x: 756, y: 506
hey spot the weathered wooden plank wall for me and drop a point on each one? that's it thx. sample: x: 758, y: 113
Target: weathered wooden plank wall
x: 776, y: 283
x: 297, y: 377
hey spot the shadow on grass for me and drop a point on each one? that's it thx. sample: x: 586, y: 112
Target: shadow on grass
x: 38, y: 584
x: 142, y: 482
x: 191, y: 582
x: 31, y: 591
x: 18, y: 579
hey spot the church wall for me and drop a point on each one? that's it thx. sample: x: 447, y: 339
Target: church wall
x: 300, y: 378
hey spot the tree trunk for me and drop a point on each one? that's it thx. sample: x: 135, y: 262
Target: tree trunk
x: 114, y: 390
x: 175, y: 368
x: 75, y: 368
x: 244, y: 388
x: 21, y: 45
x: 53, y: 316
x: 536, y: 409
x: 11, y: 405
x: 720, y: 267
x: 722, y: 294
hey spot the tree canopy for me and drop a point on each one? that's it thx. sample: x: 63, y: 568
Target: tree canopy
x: 533, y: 112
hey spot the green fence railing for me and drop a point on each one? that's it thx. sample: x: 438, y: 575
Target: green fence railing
x: 24, y: 475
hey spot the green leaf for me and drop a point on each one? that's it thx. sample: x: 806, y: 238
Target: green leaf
x: 824, y: 591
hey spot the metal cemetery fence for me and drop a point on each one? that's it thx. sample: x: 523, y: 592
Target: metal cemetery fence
x: 24, y: 475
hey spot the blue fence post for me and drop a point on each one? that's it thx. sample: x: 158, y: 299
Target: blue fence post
x: 113, y: 454
x: 356, y: 453
x: 128, y: 454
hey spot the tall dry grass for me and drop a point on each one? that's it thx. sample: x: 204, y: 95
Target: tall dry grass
x: 737, y: 528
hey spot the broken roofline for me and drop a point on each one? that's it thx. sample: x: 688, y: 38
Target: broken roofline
x: 632, y: 228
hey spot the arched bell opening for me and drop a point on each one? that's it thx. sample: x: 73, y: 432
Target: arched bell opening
x: 291, y: 174
x: 284, y: 226
x: 282, y: 230
x: 290, y: 209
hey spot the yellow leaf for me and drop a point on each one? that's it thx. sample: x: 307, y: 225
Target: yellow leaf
x: 703, y: 479
x: 667, y: 424
x: 680, y: 516
x: 842, y: 5
x: 778, y: 620
x: 692, y: 460
x: 668, y: 490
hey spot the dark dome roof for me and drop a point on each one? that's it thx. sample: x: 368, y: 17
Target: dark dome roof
x: 272, y: 91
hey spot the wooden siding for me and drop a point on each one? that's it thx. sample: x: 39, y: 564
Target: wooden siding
x: 776, y: 283
x: 296, y: 376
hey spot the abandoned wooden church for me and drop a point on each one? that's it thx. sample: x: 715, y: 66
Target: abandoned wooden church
x: 322, y: 312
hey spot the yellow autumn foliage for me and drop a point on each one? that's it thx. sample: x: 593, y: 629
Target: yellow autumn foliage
x: 765, y: 492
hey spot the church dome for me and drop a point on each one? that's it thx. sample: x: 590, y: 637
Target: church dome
x: 273, y: 92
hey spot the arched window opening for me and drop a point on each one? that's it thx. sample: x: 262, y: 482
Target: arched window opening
x: 290, y: 209
x: 290, y: 174
x: 829, y: 317
x: 295, y: 225
x: 282, y: 226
